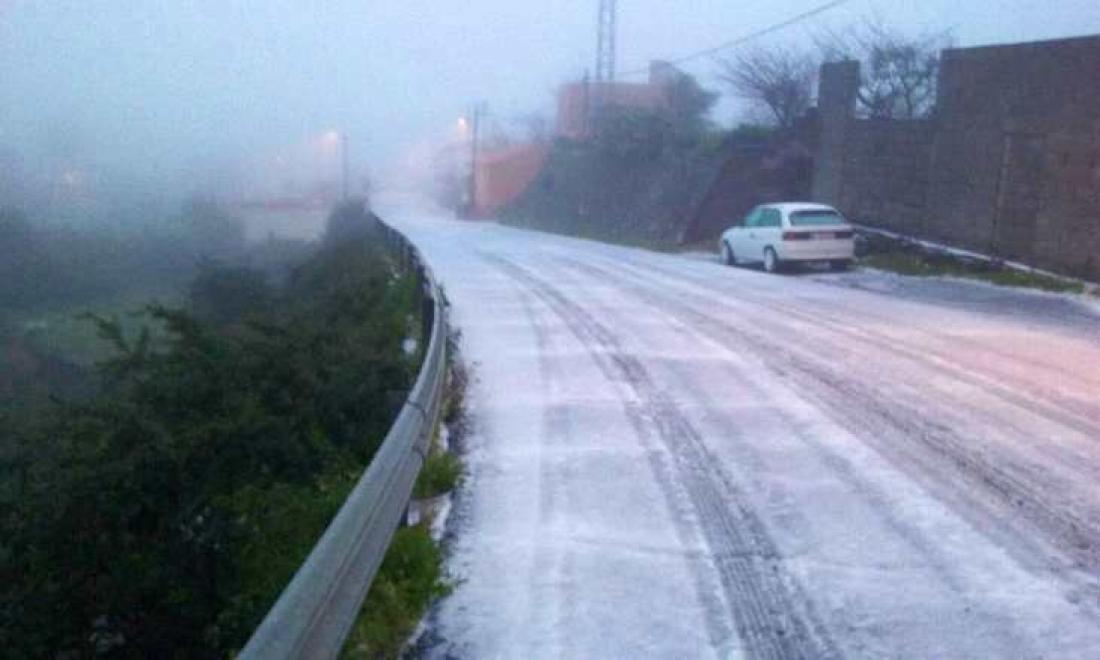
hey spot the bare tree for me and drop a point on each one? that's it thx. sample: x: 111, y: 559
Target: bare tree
x: 898, y: 72
x: 779, y: 80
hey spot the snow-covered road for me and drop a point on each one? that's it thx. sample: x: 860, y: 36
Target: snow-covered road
x: 672, y: 458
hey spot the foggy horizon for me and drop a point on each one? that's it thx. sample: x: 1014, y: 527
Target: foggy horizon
x: 179, y: 97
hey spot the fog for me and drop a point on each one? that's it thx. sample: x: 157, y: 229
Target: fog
x: 205, y: 336
x: 138, y: 104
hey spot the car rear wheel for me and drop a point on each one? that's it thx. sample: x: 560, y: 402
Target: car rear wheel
x: 771, y: 261
x: 727, y: 255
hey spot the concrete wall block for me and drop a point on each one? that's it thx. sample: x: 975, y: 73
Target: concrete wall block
x: 1011, y: 164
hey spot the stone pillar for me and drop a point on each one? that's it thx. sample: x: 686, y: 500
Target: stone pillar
x: 836, y: 102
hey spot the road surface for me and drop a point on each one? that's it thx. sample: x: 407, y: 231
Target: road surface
x: 673, y: 458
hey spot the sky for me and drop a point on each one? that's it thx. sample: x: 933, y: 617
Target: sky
x: 185, y: 92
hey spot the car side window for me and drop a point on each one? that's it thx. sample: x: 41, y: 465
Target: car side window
x: 753, y: 218
x: 771, y: 218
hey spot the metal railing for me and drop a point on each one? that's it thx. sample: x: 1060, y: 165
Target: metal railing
x: 317, y: 610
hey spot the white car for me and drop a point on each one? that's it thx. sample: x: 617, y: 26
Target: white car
x: 778, y: 234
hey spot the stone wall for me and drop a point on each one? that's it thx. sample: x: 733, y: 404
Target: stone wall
x: 776, y: 169
x: 885, y: 172
x: 1010, y: 165
x: 585, y: 191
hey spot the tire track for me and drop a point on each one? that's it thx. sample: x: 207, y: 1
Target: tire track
x: 557, y: 425
x: 869, y: 410
x: 774, y: 619
x: 1050, y: 409
x: 1081, y: 416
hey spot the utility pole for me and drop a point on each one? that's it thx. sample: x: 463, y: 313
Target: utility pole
x: 605, y: 42
x: 587, y: 105
x: 475, y: 128
x: 606, y: 28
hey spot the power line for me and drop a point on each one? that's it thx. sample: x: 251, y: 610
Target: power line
x: 743, y: 39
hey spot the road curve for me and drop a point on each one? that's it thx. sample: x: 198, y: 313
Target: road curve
x: 671, y: 458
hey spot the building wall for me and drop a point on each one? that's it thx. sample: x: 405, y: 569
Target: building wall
x: 572, y: 115
x: 1010, y: 165
x: 502, y: 176
x: 578, y: 101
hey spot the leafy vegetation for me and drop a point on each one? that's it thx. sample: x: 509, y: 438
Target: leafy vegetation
x: 439, y: 475
x: 161, y: 515
x: 410, y: 577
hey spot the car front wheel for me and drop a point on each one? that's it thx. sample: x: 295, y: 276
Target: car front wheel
x: 727, y: 255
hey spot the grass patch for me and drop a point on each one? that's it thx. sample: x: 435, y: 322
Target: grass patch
x: 442, y: 470
x: 440, y: 474
x: 411, y: 577
x: 919, y: 264
x: 458, y: 382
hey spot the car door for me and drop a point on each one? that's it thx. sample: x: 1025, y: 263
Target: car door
x: 745, y: 245
x: 768, y: 232
x: 732, y: 235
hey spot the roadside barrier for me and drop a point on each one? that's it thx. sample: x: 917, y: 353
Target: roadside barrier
x: 319, y: 606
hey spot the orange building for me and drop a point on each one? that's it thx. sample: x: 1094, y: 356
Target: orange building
x: 576, y: 100
x: 503, y: 175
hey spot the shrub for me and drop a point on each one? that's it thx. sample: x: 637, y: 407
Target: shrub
x: 163, y: 517
x: 411, y: 576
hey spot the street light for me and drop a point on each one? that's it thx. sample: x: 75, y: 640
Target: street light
x: 331, y: 138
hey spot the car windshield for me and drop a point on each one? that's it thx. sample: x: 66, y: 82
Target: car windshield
x: 816, y: 218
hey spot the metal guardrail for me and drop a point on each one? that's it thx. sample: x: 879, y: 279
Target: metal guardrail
x: 976, y: 256
x: 317, y: 610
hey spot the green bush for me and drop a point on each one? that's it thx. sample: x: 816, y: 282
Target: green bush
x: 162, y: 517
x: 440, y: 474
x: 225, y: 294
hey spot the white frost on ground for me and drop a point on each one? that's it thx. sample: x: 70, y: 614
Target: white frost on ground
x: 671, y: 458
